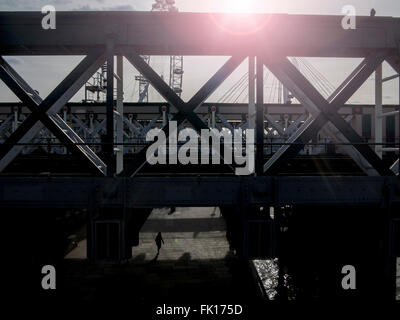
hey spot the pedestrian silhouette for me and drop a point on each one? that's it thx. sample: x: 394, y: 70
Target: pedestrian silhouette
x: 373, y: 12
x: 159, y: 241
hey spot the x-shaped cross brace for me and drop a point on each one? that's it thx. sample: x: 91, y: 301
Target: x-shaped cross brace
x: 185, y: 110
x: 44, y: 112
x: 326, y: 110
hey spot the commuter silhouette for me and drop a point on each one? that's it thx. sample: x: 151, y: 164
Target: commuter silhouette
x: 159, y: 240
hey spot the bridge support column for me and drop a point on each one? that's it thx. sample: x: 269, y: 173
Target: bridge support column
x: 260, y: 234
x: 109, y: 138
x: 250, y: 232
x: 378, y: 111
x: 120, y: 116
x: 393, y: 254
x: 259, y: 167
x: 252, y: 105
x: 108, y: 236
x: 113, y: 231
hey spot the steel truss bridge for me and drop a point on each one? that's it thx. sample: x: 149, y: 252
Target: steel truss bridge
x: 267, y: 41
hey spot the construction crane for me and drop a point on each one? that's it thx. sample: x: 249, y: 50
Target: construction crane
x: 176, y: 62
x: 96, y: 87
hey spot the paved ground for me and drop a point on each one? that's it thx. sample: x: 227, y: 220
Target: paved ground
x: 178, y: 240
x: 191, y: 261
x: 194, y: 266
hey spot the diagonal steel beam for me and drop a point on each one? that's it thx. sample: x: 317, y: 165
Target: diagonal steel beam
x: 338, y: 138
x: 394, y: 62
x: 52, y: 104
x: 273, y: 124
x: 24, y: 85
x: 395, y: 167
x: 323, y: 110
x: 53, y: 122
x: 64, y: 91
x: 98, y: 128
x: 30, y: 127
x: 132, y: 127
x: 150, y: 124
x: 309, y: 129
x: 185, y: 110
x: 4, y: 125
x: 81, y: 125
x: 305, y: 133
x: 294, y: 126
x: 289, y: 151
x: 225, y: 123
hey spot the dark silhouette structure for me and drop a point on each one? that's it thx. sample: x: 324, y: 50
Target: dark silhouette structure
x: 159, y: 242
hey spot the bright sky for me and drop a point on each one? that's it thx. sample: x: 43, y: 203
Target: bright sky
x: 199, y: 69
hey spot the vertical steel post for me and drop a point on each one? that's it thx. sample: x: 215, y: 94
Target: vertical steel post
x: 260, y: 118
x: 15, y: 123
x: 109, y: 139
x: 286, y: 98
x: 213, y: 111
x: 252, y: 106
x: 378, y: 111
x: 164, y: 115
x: 120, y: 114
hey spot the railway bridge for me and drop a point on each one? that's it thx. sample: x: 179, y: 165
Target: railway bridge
x: 322, y: 166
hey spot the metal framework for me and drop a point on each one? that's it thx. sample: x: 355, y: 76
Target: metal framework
x: 138, y: 34
x: 87, y: 119
x: 176, y: 62
x: 44, y: 111
x: 109, y: 187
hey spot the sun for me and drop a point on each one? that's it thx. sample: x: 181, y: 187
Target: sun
x: 241, y: 6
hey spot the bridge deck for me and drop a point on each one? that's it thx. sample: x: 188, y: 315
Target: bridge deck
x: 153, y: 33
x: 150, y: 192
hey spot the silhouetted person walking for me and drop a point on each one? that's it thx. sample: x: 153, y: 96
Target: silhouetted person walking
x: 159, y: 241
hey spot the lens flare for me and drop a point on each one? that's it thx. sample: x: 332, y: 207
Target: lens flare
x: 241, y: 6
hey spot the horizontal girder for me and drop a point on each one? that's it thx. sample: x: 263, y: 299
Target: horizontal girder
x: 152, y: 108
x: 160, y: 33
x: 197, y: 191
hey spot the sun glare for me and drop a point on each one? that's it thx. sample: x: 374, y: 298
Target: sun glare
x: 241, y: 6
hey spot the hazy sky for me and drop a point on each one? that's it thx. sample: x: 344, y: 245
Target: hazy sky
x: 45, y: 73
